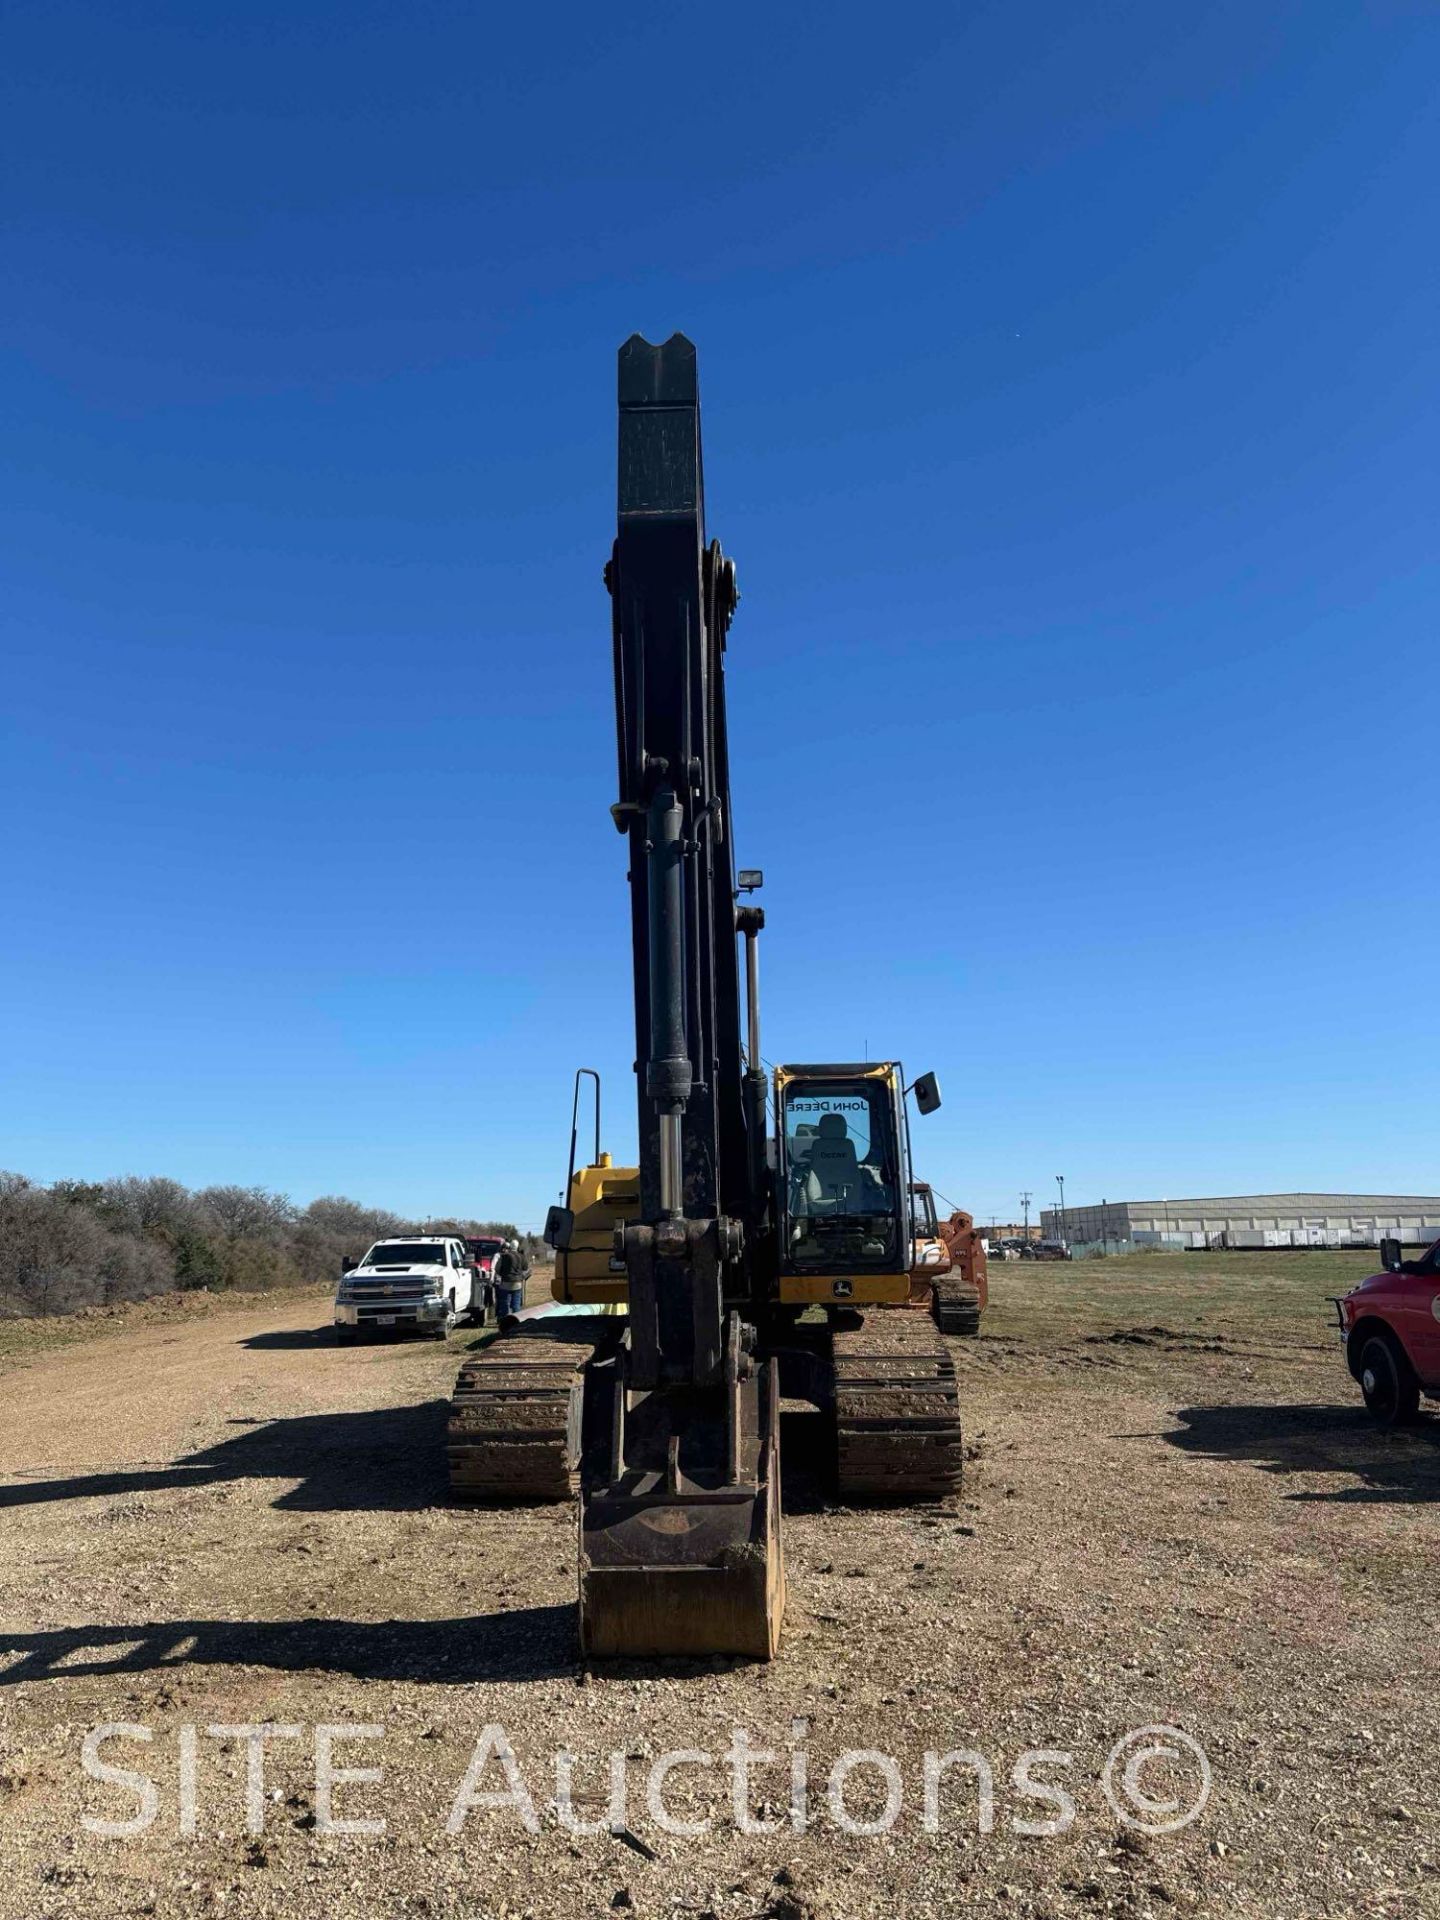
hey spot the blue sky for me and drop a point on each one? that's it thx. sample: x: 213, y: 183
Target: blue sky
x: 1069, y: 378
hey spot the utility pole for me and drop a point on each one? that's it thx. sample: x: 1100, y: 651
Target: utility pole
x: 1025, y: 1203
x: 1060, y: 1182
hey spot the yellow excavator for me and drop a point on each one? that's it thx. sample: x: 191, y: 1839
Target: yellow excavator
x: 766, y: 1229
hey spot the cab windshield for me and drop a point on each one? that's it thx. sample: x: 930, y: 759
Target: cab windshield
x: 405, y: 1253
x: 842, y: 1173
x: 923, y: 1223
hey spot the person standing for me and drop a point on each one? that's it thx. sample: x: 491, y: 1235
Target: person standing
x: 509, y: 1281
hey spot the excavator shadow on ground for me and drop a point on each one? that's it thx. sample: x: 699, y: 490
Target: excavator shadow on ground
x: 1396, y: 1467
x: 387, y: 1459
x: 524, y: 1643
x: 349, y: 1461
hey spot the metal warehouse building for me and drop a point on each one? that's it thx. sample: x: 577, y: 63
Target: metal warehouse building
x: 1252, y: 1220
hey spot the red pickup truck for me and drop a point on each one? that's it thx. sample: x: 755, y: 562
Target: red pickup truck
x: 1390, y: 1324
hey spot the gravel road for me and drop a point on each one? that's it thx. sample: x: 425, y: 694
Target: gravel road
x: 216, y: 1518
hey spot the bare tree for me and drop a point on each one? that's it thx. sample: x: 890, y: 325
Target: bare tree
x: 56, y: 1256
x: 82, y: 1242
x: 246, y: 1213
x: 334, y: 1213
x: 334, y: 1226
x: 154, y: 1205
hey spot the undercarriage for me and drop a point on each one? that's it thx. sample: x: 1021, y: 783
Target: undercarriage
x: 680, y: 1487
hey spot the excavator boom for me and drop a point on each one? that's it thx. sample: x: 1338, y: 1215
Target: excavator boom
x: 680, y: 1539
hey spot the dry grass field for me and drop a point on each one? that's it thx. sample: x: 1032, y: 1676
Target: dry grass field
x: 1176, y: 1514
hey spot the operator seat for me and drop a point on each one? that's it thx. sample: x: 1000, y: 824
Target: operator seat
x: 834, y: 1168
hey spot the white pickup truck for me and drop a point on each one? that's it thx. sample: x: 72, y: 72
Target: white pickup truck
x: 419, y: 1282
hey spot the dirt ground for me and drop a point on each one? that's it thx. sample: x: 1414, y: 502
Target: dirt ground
x: 1176, y: 1514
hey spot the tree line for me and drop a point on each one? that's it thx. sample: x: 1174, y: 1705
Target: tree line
x: 90, y: 1243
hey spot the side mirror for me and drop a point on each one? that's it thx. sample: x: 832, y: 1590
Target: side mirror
x: 348, y: 1266
x: 927, y: 1093
x: 1390, y: 1255
x: 559, y: 1225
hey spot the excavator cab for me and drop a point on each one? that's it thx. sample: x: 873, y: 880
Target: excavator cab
x: 925, y: 1222
x: 842, y: 1184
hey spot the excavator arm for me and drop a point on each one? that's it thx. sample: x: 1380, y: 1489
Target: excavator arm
x: 672, y: 598
x: 680, y: 1548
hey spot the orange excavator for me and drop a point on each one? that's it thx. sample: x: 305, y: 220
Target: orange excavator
x: 949, y: 1272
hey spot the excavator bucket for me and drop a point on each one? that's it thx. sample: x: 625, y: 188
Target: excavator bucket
x: 680, y: 1550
